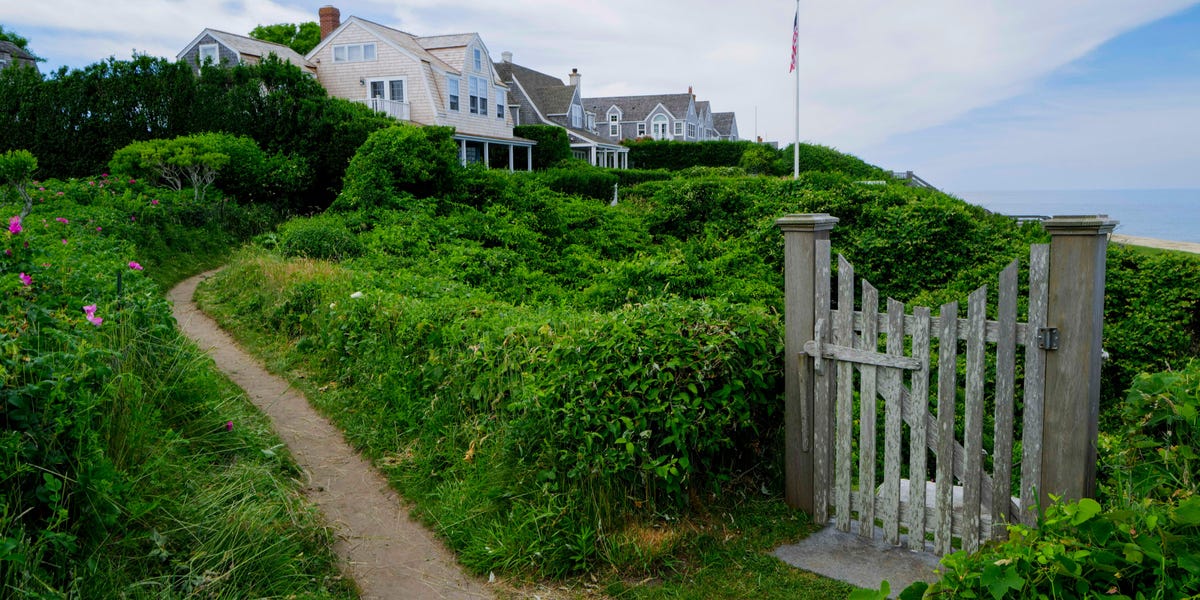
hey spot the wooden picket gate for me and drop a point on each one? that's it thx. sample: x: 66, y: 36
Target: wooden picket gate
x: 964, y: 496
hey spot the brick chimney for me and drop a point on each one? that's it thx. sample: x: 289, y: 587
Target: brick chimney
x: 690, y: 93
x: 331, y: 18
x: 506, y: 56
x: 574, y: 77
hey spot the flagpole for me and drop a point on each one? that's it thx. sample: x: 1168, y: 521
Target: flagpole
x: 796, y: 60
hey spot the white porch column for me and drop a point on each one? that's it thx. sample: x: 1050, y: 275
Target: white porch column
x: 528, y: 158
x: 486, y: 156
x: 510, y: 158
x: 592, y: 156
x: 462, y: 152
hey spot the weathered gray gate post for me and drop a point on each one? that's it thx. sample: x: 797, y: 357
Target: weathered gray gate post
x: 800, y: 234
x: 1076, y: 310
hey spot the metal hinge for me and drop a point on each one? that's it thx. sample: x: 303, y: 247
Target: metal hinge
x: 1047, y: 338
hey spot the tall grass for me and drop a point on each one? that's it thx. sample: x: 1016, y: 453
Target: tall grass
x: 129, y: 467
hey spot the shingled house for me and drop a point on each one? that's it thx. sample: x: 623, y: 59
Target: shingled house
x: 12, y: 54
x: 725, y: 126
x: 536, y: 98
x: 662, y: 117
x: 222, y: 48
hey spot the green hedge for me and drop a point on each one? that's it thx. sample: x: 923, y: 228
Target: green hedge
x: 552, y: 147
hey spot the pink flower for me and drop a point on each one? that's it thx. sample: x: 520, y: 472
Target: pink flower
x: 64, y: 241
x: 25, y: 279
x: 97, y: 228
x: 91, y: 183
x: 60, y: 193
x: 90, y: 311
x: 132, y: 181
x: 14, y: 225
x: 62, y: 220
x: 154, y: 202
x: 132, y: 218
x: 228, y: 425
x: 41, y: 189
x: 134, y: 265
x: 104, y: 174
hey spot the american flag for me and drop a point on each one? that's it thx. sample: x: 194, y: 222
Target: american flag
x: 795, y: 39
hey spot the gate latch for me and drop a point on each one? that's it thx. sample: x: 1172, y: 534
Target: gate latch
x: 1047, y: 338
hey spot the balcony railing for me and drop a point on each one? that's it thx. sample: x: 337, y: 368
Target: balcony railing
x: 391, y: 108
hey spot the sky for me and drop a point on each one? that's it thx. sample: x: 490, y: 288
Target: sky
x: 968, y: 94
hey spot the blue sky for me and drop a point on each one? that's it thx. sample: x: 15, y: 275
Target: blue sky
x: 970, y: 94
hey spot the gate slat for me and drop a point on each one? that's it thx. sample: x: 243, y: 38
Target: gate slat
x: 973, y: 418
x: 1006, y: 357
x: 918, y: 405
x: 1035, y: 371
x: 844, y: 320
x: 822, y: 397
x: 947, y: 388
x: 867, y: 409
x: 890, y: 505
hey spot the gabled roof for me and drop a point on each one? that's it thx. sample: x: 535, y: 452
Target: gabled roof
x: 723, y: 122
x: 250, y: 47
x: 547, y: 93
x: 702, y: 106
x: 403, y: 41
x: 637, y: 108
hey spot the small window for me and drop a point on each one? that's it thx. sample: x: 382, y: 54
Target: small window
x: 591, y: 122
x: 500, y: 103
x: 478, y: 60
x: 210, y: 53
x: 353, y: 52
x: 452, y: 85
x: 678, y: 127
x: 691, y: 129
x: 516, y: 113
x: 613, y: 124
x: 641, y: 129
x: 576, y: 116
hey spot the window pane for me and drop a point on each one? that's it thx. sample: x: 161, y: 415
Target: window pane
x: 368, y: 51
x: 354, y: 53
x: 339, y: 54
x: 397, y: 89
x: 377, y: 89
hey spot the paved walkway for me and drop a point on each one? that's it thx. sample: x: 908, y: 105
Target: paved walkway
x: 385, y: 552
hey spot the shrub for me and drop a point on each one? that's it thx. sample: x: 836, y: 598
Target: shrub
x: 323, y: 237
x: 552, y: 146
x: 401, y: 162
x: 583, y: 180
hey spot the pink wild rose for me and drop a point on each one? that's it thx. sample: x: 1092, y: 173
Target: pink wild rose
x: 133, y: 264
x: 62, y: 220
x: 25, y: 279
x: 14, y: 225
x: 90, y: 311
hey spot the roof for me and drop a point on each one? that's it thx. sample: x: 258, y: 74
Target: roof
x: 637, y: 108
x: 251, y: 47
x: 548, y: 93
x: 404, y: 40
x: 723, y: 122
x: 454, y: 40
x: 702, y: 106
x: 15, y: 51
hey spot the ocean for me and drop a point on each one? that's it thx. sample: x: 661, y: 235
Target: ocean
x: 1162, y: 214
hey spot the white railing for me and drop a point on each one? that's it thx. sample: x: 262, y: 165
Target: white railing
x: 391, y: 108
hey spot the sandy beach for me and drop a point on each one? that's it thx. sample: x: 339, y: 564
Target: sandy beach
x: 1129, y: 240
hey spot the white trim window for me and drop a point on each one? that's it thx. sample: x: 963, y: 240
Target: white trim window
x: 576, y: 116
x: 678, y: 127
x: 614, y: 125
x: 452, y: 90
x: 500, y: 99
x: 591, y: 119
x: 387, y: 88
x: 658, y: 126
x: 210, y: 53
x: 478, y: 57
x: 479, y: 95
x: 354, y: 52
x: 691, y: 129
x: 641, y: 130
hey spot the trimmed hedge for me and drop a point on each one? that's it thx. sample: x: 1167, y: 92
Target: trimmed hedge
x: 552, y: 147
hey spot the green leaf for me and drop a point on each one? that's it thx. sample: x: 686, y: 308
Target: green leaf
x: 880, y: 594
x: 1087, y: 508
x: 1008, y: 581
x: 1188, y: 512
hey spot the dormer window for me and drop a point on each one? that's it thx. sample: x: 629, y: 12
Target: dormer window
x: 478, y: 88
x: 613, y: 124
x: 478, y: 60
x: 354, y: 53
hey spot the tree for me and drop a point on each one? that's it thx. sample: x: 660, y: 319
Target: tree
x: 23, y: 43
x: 302, y: 38
x: 16, y: 169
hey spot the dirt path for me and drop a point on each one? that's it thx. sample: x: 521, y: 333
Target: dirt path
x: 386, y: 553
